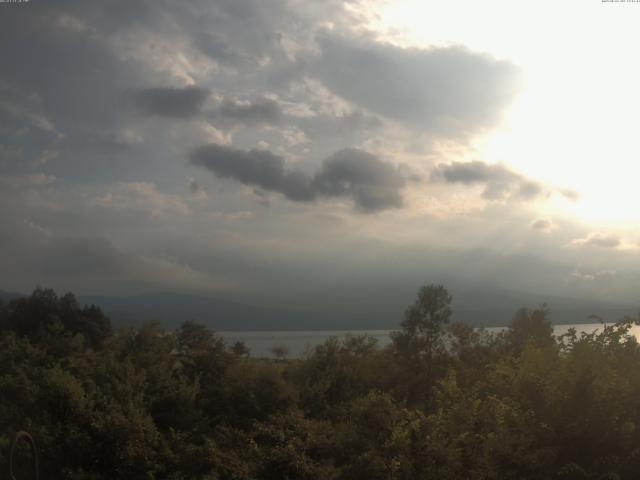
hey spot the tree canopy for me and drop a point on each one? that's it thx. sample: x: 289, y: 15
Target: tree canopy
x: 442, y: 401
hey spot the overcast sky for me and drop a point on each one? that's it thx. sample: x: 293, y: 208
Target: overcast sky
x: 284, y: 151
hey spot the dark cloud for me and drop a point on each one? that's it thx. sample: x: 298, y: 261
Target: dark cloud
x: 168, y: 101
x: 88, y: 263
x: 64, y: 81
x: 81, y: 256
x: 188, y: 102
x: 499, y: 182
x: 260, y: 111
x: 197, y: 190
x: 217, y: 48
x: 446, y: 91
x: 72, y: 73
x: 194, y: 186
x: 473, y: 172
x: 371, y: 183
x: 259, y: 168
x: 83, y: 56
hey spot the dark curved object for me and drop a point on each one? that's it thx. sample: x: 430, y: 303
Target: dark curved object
x: 34, y: 450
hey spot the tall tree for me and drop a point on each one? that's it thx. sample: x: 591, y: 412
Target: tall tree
x: 424, y: 322
x: 419, y: 347
x: 531, y: 326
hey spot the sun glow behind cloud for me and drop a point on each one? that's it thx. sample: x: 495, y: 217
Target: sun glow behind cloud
x: 574, y: 123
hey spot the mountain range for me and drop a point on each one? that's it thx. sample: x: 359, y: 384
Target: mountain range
x: 479, y: 308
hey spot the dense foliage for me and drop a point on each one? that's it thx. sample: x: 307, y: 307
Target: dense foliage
x: 443, y: 401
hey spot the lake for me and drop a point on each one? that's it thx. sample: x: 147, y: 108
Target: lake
x: 297, y: 342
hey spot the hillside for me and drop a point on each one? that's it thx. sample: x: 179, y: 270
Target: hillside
x: 475, y: 307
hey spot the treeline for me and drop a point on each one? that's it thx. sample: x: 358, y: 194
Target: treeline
x: 442, y: 401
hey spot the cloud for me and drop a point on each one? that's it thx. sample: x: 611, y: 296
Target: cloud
x: 296, y: 89
x: 570, y: 194
x: 449, y: 91
x: 543, y: 225
x: 217, y: 48
x: 21, y: 105
x: 332, y: 126
x: 259, y: 168
x: 26, y: 181
x: 143, y: 196
x: 73, y: 76
x: 188, y: 102
x: 257, y: 112
x: 90, y: 264
x: 597, y: 239
x: 499, y: 181
x: 196, y: 189
x: 168, y: 101
x: 593, y: 276
x: 474, y: 172
x: 10, y: 154
x: 104, y: 142
x: 529, y: 189
x: 371, y: 183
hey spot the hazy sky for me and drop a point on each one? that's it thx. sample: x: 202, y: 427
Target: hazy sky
x: 283, y: 151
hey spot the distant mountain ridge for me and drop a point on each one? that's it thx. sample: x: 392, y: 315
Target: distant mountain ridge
x: 8, y: 296
x: 171, y: 309
x: 479, y: 308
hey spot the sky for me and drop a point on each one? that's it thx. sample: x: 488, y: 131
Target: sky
x: 287, y: 152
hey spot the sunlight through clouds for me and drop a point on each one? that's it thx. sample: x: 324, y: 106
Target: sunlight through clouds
x: 574, y: 121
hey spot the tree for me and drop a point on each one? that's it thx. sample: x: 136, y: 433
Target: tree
x: 195, y: 338
x: 419, y: 347
x: 531, y: 326
x: 44, y: 316
x: 338, y: 371
x: 204, y: 360
x: 240, y: 349
x: 424, y: 322
x: 3, y: 315
x: 280, y: 351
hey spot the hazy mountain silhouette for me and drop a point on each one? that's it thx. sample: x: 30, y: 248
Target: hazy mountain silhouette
x: 7, y: 296
x: 486, y: 307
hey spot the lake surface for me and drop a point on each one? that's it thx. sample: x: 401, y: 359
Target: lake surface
x: 297, y: 342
